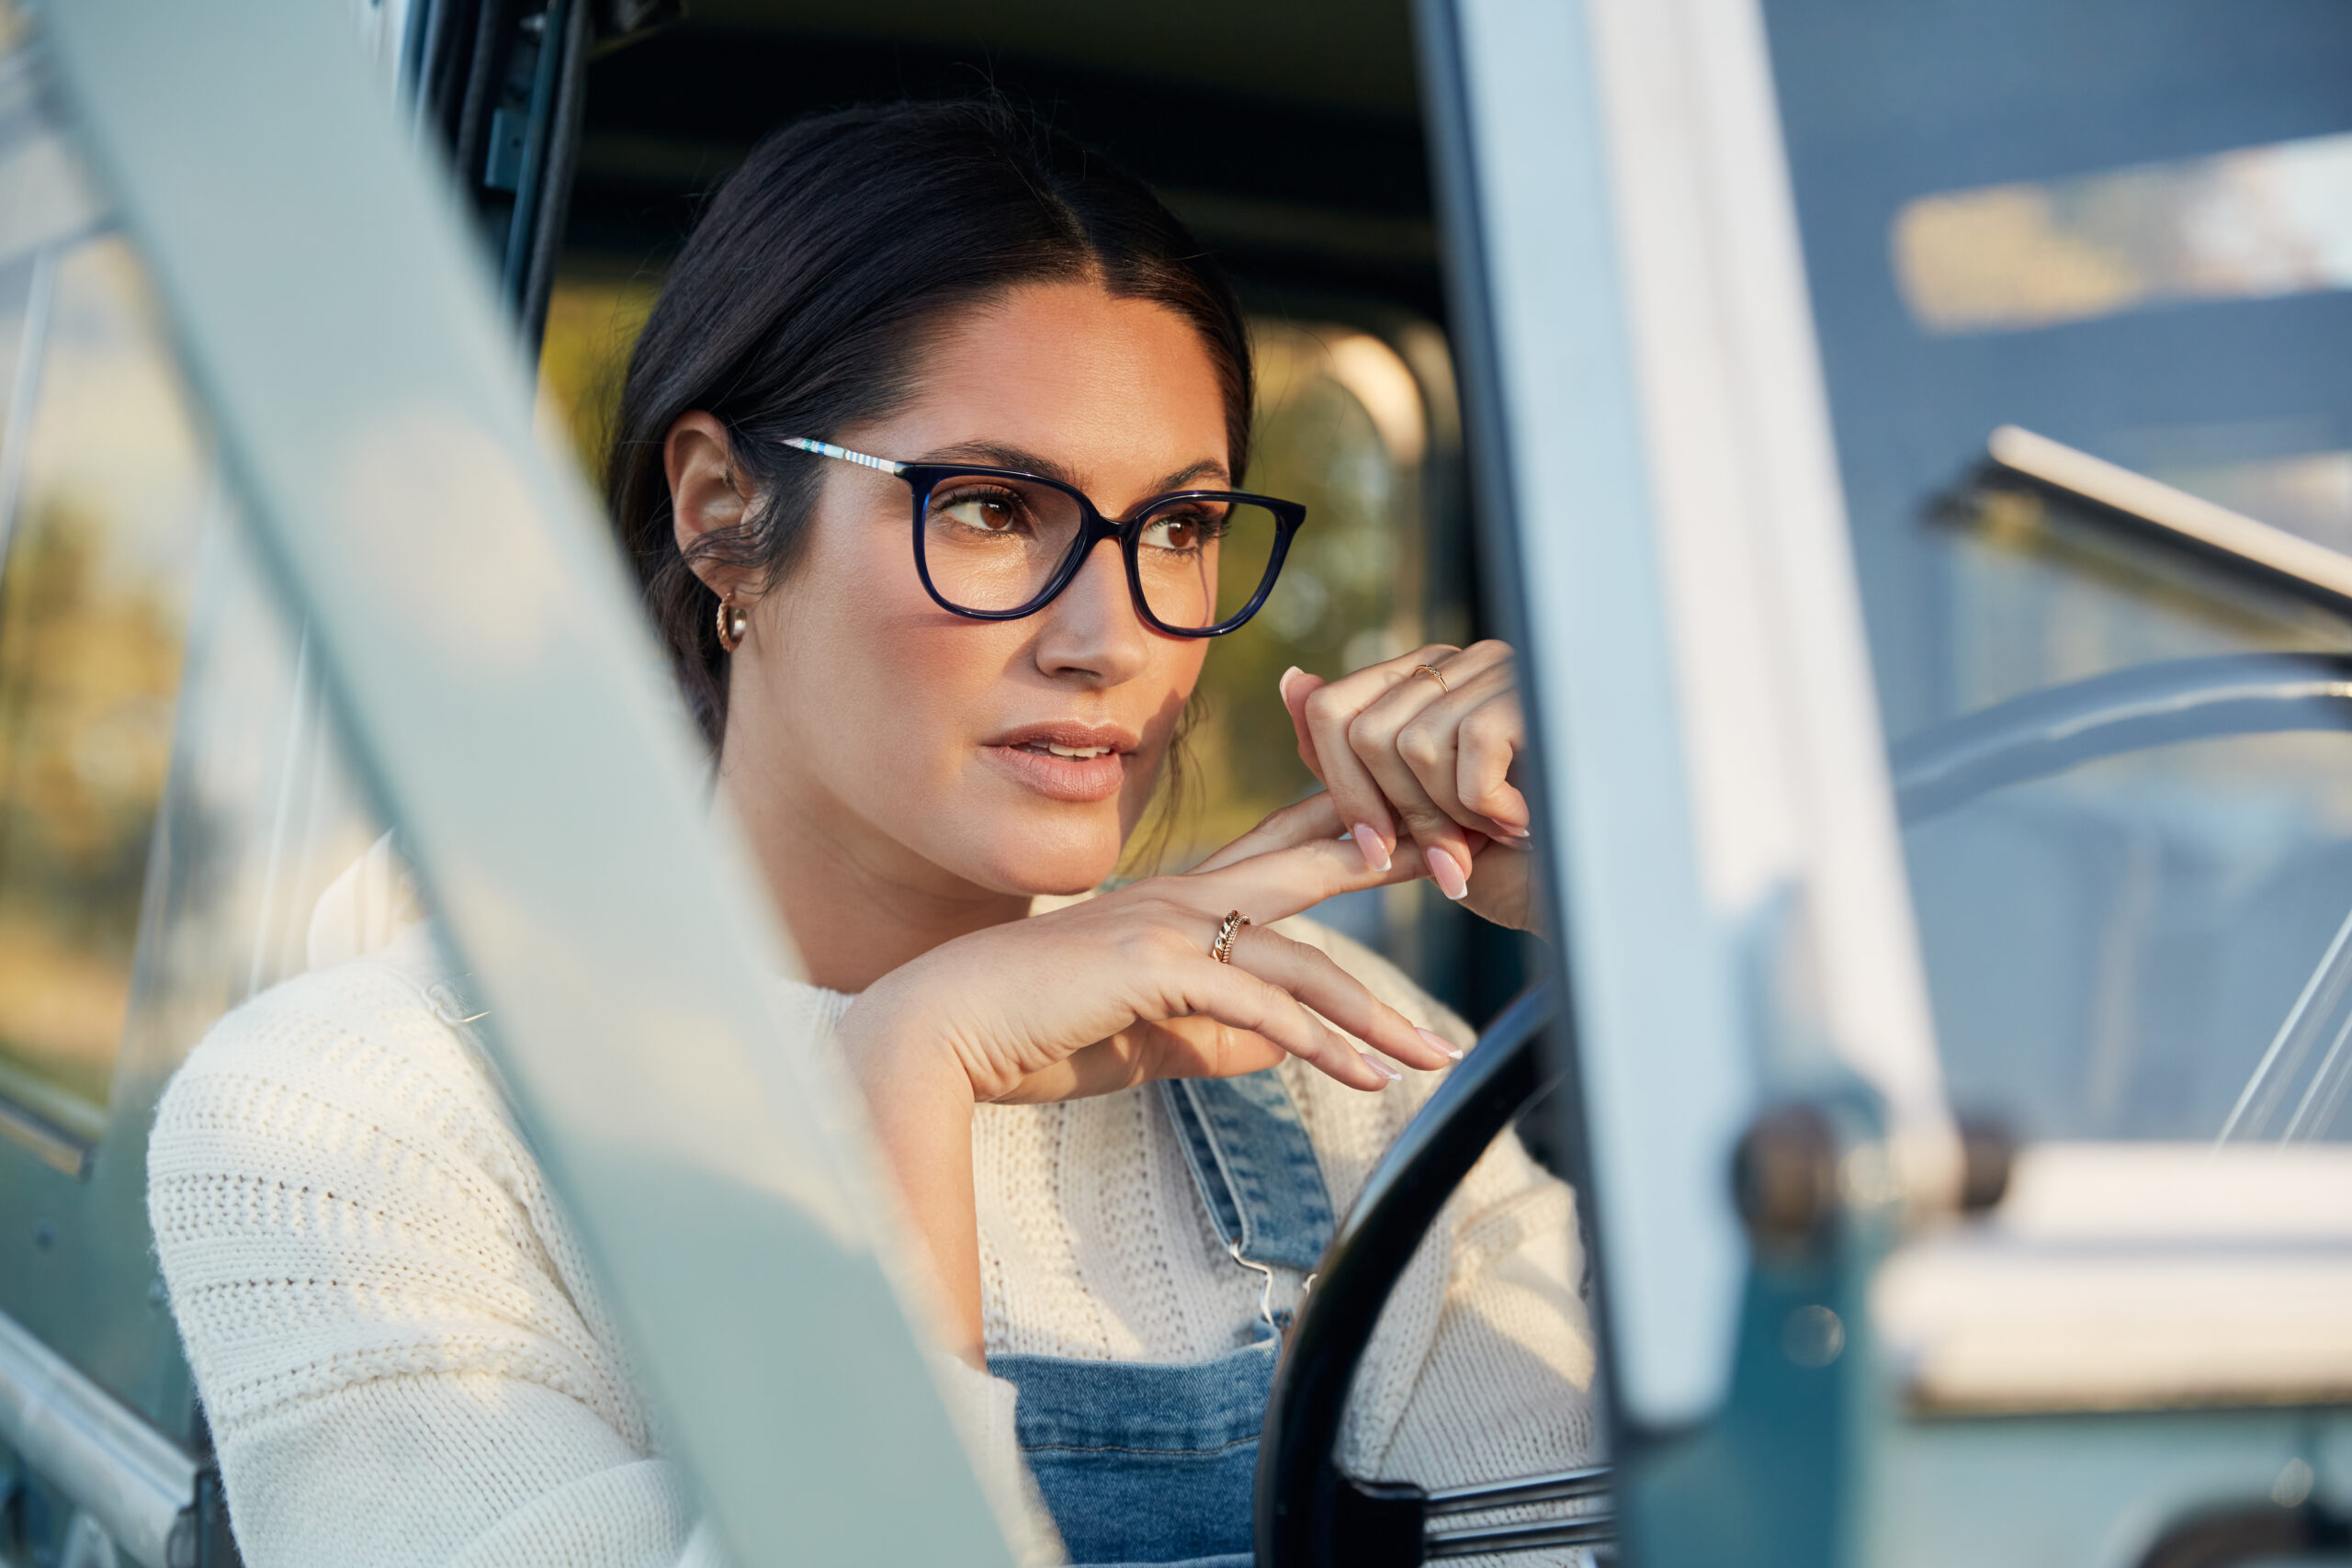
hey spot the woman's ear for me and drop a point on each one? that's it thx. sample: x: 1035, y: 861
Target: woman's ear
x: 704, y: 495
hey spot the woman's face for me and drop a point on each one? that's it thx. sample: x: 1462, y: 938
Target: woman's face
x: 919, y: 742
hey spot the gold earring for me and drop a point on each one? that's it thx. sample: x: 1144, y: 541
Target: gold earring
x: 732, y: 623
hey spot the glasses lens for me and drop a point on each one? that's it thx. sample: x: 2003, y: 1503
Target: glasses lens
x: 1202, y: 560
x: 991, y: 543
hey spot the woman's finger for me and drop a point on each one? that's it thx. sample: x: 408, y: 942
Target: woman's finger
x: 1492, y: 735
x: 1233, y: 996
x: 1281, y: 883
x: 1295, y: 686
x: 1416, y: 713
x: 1330, y: 710
x: 1302, y: 821
x: 1193, y: 1046
x: 1453, y: 743
x: 1310, y: 974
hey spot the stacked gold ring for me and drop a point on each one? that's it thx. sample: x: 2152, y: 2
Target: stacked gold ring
x: 1222, y: 948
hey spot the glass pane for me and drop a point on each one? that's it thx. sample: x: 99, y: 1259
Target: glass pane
x: 2248, y: 224
x: 994, y: 544
x: 1246, y: 537
x: 172, y: 802
x: 1344, y: 427
x: 110, y: 494
x: 271, y: 860
x: 2121, y: 226
x: 174, y: 799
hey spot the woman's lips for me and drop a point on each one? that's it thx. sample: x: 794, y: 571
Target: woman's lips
x: 1061, y: 778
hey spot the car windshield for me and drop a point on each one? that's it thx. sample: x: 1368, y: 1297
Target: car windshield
x: 2119, y: 230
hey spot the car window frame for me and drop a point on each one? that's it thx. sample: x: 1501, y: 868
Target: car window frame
x: 756, y: 1272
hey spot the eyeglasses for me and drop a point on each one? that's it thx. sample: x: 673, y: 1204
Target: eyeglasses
x: 996, y: 544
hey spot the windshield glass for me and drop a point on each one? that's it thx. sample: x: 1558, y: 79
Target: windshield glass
x: 2125, y: 229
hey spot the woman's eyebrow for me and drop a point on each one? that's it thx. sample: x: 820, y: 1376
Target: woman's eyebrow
x: 1207, y: 469
x: 996, y: 455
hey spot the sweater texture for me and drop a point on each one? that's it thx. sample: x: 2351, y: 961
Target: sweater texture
x: 404, y: 1361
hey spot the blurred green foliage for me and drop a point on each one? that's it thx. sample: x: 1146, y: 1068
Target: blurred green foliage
x: 89, y: 665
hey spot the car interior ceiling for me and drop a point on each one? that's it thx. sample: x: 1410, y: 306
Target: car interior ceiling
x: 1298, y: 154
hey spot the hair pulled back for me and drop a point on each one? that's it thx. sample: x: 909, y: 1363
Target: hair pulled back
x: 805, y: 295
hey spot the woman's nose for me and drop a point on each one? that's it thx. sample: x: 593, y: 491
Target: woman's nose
x: 1093, y: 629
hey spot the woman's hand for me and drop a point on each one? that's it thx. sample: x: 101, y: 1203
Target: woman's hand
x: 1124, y: 989
x: 1435, y: 755
x: 1114, y: 991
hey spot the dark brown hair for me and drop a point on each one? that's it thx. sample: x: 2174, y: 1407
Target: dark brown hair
x: 800, y: 304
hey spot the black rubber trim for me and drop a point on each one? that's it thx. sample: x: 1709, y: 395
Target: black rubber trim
x: 2253, y: 1532
x: 1585, y: 1530
x: 476, y: 94
x: 544, y: 244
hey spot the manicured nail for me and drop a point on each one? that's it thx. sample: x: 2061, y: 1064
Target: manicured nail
x: 1389, y: 1074
x: 1447, y: 873
x: 1441, y: 1041
x: 1376, y: 854
x: 1283, y: 685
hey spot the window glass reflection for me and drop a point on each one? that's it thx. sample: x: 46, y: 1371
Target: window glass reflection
x: 2119, y: 225
x: 2114, y: 949
x: 1343, y: 426
x: 2251, y: 224
x: 111, y: 494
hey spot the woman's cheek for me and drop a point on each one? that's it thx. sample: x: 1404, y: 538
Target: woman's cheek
x: 938, y: 689
x: 1178, y: 674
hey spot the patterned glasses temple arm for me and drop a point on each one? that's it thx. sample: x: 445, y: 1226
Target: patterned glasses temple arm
x: 827, y: 449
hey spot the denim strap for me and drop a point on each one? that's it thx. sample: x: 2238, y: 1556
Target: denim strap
x: 1255, y: 1167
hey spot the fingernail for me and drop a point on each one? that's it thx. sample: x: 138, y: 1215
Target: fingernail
x: 1447, y: 873
x: 1374, y: 853
x: 1387, y: 1073
x: 1283, y: 685
x: 1441, y: 1041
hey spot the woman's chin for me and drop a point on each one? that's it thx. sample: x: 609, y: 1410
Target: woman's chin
x: 1021, y: 841
x: 1069, y: 858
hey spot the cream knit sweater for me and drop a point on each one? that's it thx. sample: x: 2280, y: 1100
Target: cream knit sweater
x: 404, y: 1359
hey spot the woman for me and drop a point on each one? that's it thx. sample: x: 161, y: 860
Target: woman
x: 1121, y: 1123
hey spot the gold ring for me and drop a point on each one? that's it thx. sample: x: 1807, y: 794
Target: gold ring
x: 1222, y: 948
x: 1434, y: 673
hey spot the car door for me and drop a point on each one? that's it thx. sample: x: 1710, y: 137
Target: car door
x: 1853, y: 375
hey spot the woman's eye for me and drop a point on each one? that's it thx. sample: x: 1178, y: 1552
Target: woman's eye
x: 1184, y: 531
x: 984, y: 513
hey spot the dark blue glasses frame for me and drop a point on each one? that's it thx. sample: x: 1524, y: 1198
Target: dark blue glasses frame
x: 924, y: 477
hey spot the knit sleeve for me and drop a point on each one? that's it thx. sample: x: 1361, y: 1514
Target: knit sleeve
x: 398, y: 1362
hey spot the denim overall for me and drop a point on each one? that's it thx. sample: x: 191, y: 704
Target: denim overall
x: 1141, y: 1462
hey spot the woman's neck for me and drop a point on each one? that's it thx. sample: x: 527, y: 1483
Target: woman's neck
x: 856, y: 904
